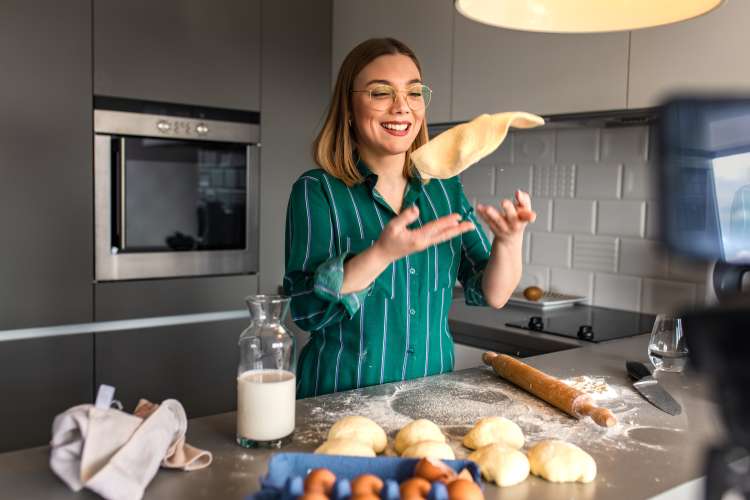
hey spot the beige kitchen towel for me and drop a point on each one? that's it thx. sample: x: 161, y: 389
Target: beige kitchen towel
x: 116, y: 454
x: 180, y: 455
x: 458, y: 148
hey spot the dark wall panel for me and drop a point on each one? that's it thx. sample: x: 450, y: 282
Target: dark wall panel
x: 195, y: 364
x: 46, y: 215
x: 40, y: 378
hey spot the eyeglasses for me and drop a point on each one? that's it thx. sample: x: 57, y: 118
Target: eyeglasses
x: 383, y: 96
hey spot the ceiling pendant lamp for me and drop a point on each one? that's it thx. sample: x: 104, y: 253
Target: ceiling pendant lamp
x: 582, y: 16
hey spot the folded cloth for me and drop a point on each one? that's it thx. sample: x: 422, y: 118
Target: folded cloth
x: 458, y: 148
x: 116, y: 454
x: 180, y: 455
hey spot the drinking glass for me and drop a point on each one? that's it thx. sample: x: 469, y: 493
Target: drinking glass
x: 667, y: 349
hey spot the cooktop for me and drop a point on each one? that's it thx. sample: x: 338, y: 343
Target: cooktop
x: 588, y: 323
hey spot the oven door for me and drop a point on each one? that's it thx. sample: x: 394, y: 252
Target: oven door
x: 170, y: 207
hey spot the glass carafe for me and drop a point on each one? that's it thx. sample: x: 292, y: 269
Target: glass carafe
x: 266, y: 378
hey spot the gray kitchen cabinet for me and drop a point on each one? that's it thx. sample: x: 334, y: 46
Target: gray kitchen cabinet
x: 182, y: 51
x: 46, y: 214
x: 41, y: 378
x: 497, y: 70
x: 168, y: 297
x: 193, y: 363
x: 703, y: 54
x: 426, y: 26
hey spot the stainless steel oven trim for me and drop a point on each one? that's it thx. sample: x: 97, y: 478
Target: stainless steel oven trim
x: 174, y: 127
x: 112, y: 266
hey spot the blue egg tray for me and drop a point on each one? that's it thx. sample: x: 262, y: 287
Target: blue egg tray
x: 287, y: 472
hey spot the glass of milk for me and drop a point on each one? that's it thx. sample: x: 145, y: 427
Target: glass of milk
x: 266, y: 379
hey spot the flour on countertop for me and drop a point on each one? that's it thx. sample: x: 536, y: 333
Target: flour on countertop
x: 455, y: 403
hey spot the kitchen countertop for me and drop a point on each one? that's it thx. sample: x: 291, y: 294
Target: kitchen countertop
x: 485, y: 327
x: 648, y: 452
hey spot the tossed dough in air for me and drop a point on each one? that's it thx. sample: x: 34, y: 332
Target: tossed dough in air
x: 458, y: 148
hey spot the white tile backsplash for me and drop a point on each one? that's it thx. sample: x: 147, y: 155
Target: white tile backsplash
x: 577, y: 145
x: 639, y: 182
x: 554, y: 181
x: 661, y: 296
x: 543, y: 209
x: 624, y: 144
x: 621, y: 218
x: 653, y: 221
x: 574, y: 216
x: 572, y: 282
x: 643, y: 258
x: 598, y: 182
x: 617, y: 291
x: 479, y: 180
x: 595, y: 253
x: 597, y: 227
x: 687, y: 269
x: 510, y: 178
x: 550, y: 249
x: 534, y: 147
x: 534, y: 276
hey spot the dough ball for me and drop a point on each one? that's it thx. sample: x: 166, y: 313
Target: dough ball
x: 350, y: 447
x: 361, y: 429
x: 494, y: 430
x: 502, y: 464
x: 415, y: 432
x: 559, y: 462
x: 430, y: 449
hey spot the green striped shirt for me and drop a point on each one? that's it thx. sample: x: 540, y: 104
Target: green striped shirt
x: 397, y: 328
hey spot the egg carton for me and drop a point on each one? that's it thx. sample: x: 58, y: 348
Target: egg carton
x: 287, y: 472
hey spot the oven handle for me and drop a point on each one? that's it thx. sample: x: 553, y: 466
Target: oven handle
x: 121, y: 204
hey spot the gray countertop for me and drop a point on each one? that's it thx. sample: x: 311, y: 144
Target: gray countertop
x: 646, y: 453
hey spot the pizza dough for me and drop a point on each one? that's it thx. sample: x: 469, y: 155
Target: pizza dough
x: 430, y: 449
x: 502, y: 464
x: 494, y: 430
x: 360, y: 429
x: 458, y: 148
x: 350, y: 447
x: 415, y: 432
x: 560, y: 461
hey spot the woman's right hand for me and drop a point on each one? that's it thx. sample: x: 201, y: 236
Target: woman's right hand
x: 397, y: 240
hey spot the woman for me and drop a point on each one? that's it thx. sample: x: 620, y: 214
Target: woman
x: 372, y: 251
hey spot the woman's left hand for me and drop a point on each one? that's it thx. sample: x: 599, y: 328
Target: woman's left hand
x: 508, y: 225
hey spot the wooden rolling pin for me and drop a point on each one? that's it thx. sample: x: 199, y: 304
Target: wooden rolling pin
x: 559, y: 394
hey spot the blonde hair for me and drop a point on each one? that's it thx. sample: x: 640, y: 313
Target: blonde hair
x: 333, y: 149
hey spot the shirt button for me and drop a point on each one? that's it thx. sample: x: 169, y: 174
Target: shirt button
x: 412, y: 311
x: 412, y: 271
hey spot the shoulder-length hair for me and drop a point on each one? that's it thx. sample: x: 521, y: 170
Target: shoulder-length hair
x: 333, y: 149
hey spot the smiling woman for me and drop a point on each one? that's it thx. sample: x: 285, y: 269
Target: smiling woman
x: 372, y: 250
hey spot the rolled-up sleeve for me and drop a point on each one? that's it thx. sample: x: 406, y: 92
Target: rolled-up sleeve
x: 475, y: 253
x: 314, y: 271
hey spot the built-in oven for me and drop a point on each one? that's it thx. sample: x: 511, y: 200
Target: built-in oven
x: 176, y: 190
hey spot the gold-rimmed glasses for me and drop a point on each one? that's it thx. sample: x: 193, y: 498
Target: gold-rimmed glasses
x: 381, y: 97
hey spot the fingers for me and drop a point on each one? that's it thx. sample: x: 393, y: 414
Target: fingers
x: 440, y: 230
x: 437, y: 226
x: 523, y: 199
x: 494, y: 219
x: 406, y: 217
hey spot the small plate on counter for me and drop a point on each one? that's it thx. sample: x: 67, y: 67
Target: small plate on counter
x: 549, y: 300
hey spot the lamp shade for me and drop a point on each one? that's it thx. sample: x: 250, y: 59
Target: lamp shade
x: 582, y: 16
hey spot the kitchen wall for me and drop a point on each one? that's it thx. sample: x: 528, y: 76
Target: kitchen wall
x: 597, y: 230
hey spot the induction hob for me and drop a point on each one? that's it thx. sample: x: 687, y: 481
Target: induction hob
x: 588, y: 323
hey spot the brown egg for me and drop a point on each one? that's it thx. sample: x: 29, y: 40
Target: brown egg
x: 433, y: 470
x: 533, y: 293
x: 464, y: 489
x: 365, y: 496
x: 313, y: 496
x: 367, y: 484
x: 415, y: 488
x: 320, y: 481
